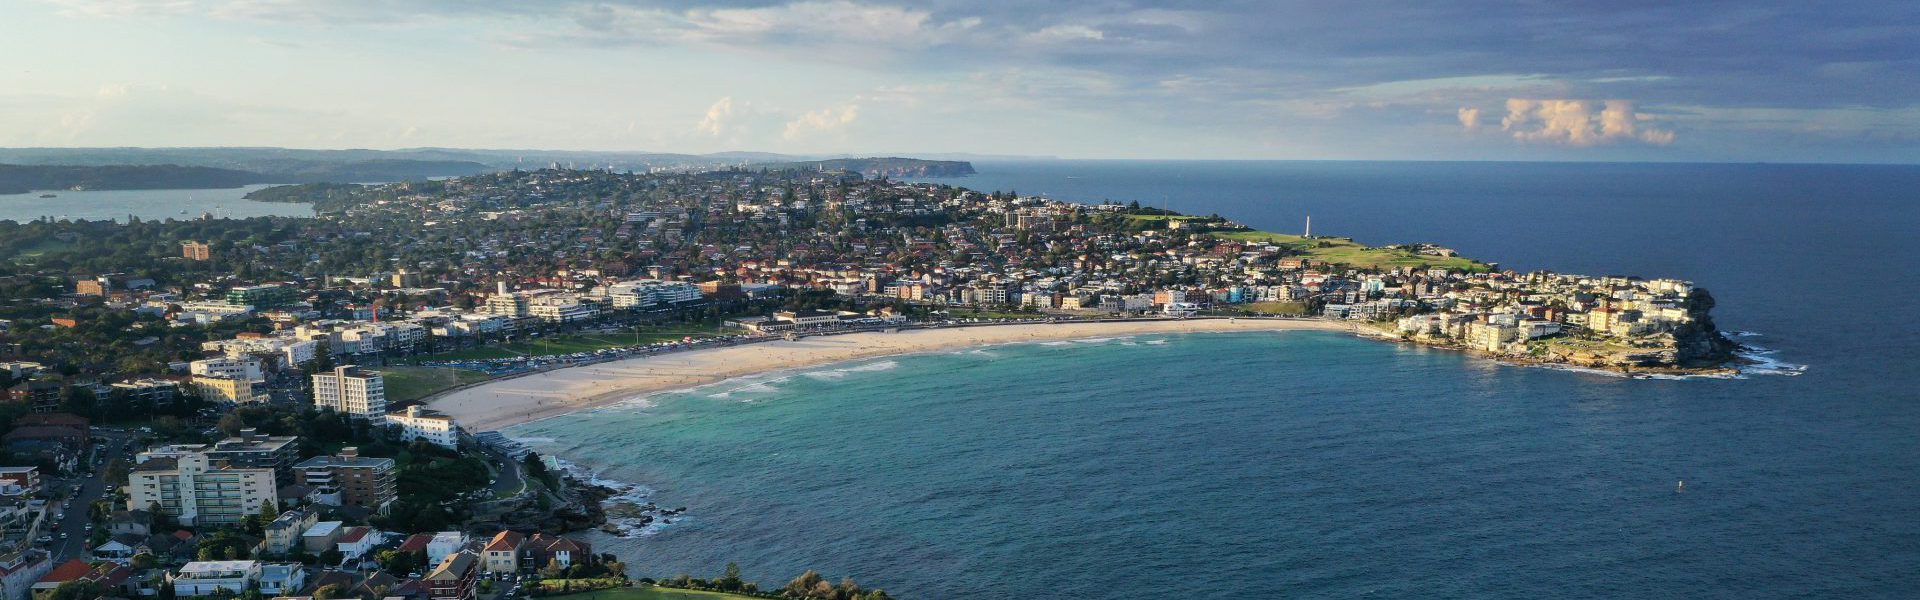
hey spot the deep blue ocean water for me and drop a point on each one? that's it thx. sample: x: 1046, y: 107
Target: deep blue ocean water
x: 1304, y: 464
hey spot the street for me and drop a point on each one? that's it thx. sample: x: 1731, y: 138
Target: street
x: 70, y: 534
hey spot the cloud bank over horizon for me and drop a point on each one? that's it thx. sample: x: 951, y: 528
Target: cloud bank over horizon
x: 1710, y: 80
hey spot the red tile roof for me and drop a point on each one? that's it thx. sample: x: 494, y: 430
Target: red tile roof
x: 505, y: 540
x: 67, y: 571
x: 416, y: 542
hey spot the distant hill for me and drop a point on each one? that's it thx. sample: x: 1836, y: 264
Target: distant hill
x: 20, y: 179
x: 162, y: 168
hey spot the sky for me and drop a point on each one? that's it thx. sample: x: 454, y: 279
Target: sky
x: 1700, y: 80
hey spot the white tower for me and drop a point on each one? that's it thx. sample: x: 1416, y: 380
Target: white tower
x: 1309, y: 232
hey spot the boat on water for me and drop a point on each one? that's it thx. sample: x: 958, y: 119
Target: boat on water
x: 49, y: 196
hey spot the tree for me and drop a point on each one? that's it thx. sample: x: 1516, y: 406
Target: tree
x: 332, y: 557
x: 232, y: 423
x: 552, y: 570
x: 166, y: 591
x: 535, y: 468
x: 78, y: 589
x: 729, y: 582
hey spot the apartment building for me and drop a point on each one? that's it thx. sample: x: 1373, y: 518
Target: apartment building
x: 355, y: 480
x: 190, y: 488
x: 419, y: 424
x: 351, y: 391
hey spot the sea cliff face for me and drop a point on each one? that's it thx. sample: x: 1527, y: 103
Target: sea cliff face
x: 1699, y: 343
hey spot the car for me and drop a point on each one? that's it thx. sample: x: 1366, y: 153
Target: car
x: 63, y: 535
x: 45, y: 539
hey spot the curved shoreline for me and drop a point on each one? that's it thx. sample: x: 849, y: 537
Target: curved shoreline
x: 518, y: 400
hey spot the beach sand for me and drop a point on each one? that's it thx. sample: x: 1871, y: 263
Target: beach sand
x: 517, y: 400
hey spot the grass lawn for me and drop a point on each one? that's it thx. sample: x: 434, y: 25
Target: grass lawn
x: 1346, y: 252
x: 577, y: 342
x: 413, y: 383
x: 647, y: 592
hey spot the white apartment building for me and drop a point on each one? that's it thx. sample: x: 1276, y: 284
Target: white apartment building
x: 561, y: 308
x: 651, y: 292
x: 348, y: 390
x: 445, y: 544
x: 201, y: 578
x: 246, y: 368
x: 417, y: 424
x: 189, y: 489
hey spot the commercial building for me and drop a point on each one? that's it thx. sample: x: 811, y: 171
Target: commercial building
x: 194, y: 491
x: 350, y: 391
x: 260, y: 295
x: 355, y: 480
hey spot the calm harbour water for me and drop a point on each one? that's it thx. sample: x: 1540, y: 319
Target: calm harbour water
x: 1303, y: 464
x: 98, y: 205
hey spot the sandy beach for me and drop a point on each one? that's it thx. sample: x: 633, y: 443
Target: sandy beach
x: 517, y: 400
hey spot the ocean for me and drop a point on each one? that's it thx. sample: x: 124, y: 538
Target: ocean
x: 1311, y: 464
x: 117, y: 205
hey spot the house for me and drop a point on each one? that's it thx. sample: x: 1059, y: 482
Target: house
x: 355, y: 542
x: 200, y: 578
x: 281, y: 578
x: 113, y: 579
x: 131, y: 522
x: 321, y: 536
x: 71, y: 570
x: 543, y: 549
x: 444, y: 544
x: 454, y: 577
x: 19, y: 481
x: 116, y: 551
x: 284, y: 533
x: 19, y: 572
x: 502, y: 553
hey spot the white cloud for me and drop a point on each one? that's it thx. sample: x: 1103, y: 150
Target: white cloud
x: 717, y: 117
x: 1066, y: 33
x: 1575, y: 122
x: 825, y: 120
x: 1470, y: 118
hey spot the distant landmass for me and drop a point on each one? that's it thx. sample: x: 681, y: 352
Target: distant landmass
x: 886, y: 167
x: 20, y: 179
x: 26, y: 169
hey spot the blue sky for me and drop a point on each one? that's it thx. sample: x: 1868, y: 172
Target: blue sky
x: 1623, y: 80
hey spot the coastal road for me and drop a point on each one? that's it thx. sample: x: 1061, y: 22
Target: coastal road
x: 510, y: 481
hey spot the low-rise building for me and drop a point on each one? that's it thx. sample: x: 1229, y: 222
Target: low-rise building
x: 416, y: 423
x: 502, y: 553
x: 284, y: 533
x: 453, y: 578
x: 201, y: 578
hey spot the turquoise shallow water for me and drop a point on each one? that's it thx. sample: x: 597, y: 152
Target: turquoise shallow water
x: 1317, y: 465
x: 1303, y: 462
